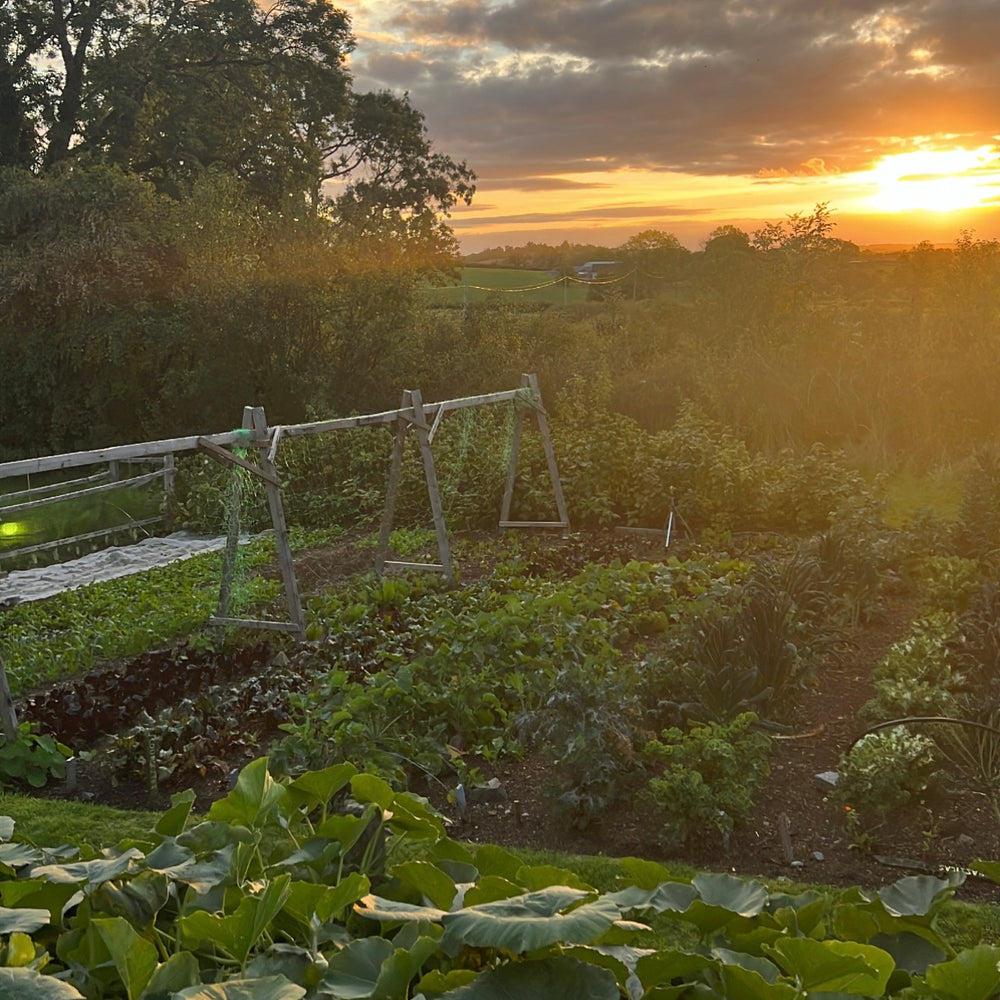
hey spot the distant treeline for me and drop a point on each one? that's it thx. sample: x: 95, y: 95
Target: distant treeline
x: 127, y: 316
x: 539, y: 256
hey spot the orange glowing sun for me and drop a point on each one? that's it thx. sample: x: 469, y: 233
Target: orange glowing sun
x: 936, y: 180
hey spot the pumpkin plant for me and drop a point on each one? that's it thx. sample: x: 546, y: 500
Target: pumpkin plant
x: 297, y: 889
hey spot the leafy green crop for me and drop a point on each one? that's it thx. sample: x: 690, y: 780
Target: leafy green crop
x: 298, y: 890
x: 409, y: 671
x: 706, y: 777
x: 33, y: 758
x: 70, y: 632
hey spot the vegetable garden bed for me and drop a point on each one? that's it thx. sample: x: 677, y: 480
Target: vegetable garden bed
x: 201, y: 714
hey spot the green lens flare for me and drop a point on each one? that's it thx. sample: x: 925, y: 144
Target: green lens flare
x: 11, y: 529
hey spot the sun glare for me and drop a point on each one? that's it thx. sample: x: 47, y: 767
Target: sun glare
x: 936, y: 180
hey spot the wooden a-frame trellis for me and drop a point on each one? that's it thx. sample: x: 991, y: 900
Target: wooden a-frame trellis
x: 425, y: 418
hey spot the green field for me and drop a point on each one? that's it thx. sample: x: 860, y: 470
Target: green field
x: 478, y: 284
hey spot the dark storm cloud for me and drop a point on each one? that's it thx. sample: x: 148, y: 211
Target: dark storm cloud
x: 704, y: 86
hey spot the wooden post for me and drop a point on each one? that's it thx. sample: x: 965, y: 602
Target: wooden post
x: 531, y: 382
x: 550, y: 455
x: 416, y: 416
x: 169, y: 474
x: 8, y: 717
x: 391, y: 491
x: 283, y: 546
x: 433, y: 489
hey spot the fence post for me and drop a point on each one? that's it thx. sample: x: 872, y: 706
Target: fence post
x: 169, y: 474
x: 8, y: 717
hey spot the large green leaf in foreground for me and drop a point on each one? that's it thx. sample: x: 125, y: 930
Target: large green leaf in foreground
x: 551, y: 978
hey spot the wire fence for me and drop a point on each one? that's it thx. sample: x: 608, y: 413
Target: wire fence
x: 564, y: 289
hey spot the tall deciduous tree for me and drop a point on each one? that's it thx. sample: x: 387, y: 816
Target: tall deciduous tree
x: 25, y: 31
x: 655, y: 257
x: 168, y: 88
x: 167, y: 252
x: 394, y: 180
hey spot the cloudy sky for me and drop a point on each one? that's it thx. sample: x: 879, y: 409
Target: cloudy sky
x: 591, y: 120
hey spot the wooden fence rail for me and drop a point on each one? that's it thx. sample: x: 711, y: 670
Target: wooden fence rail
x: 257, y: 436
x: 47, y: 494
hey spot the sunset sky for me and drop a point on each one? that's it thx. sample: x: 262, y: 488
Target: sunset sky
x: 590, y: 120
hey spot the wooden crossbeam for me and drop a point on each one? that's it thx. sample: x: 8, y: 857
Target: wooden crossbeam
x: 534, y: 524
x: 223, y: 456
x: 398, y: 564
x: 253, y: 623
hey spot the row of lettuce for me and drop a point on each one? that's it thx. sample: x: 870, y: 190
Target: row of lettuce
x: 333, y: 885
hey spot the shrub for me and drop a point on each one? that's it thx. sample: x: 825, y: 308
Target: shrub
x: 884, y: 771
x: 977, y: 533
x: 808, y: 492
x: 709, y: 778
x: 917, y: 677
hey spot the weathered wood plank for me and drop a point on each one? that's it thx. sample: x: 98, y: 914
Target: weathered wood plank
x: 167, y: 446
x: 89, y: 492
x: 534, y: 524
x: 223, y: 456
x: 86, y: 537
x: 145, y: 449
x: 391, y: 416
x: 253, y: 623
x: 399, y: 564
x: 550, y: 454
x: 433, y: 488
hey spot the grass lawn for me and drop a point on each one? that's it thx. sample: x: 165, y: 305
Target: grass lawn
x: 50, y: 822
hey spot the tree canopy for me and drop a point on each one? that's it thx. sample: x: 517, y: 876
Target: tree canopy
x: 166, y: 89
x: 198, y: 210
